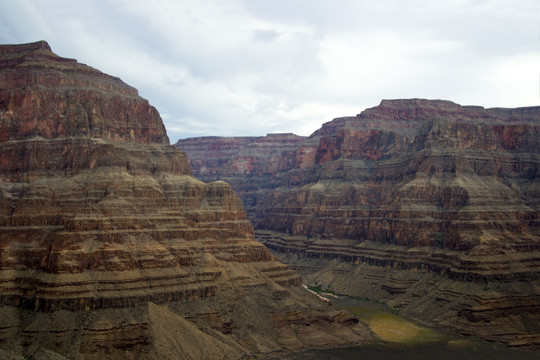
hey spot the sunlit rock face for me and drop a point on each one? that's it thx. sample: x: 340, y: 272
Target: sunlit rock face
x: 109, y: 248
x: 430, y: 206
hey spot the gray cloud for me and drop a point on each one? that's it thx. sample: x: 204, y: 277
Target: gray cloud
x: 265, y: 35
x: 249, y: 67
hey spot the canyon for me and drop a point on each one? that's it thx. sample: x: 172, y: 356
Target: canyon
x: 110, y: 248
x: 426, y: 205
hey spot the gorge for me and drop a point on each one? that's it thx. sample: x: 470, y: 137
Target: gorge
x: 110, y: 248
x: 426, y: 205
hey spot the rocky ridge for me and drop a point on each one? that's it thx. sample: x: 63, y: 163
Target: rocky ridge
x: 427, y: 205
x: 110, y: 248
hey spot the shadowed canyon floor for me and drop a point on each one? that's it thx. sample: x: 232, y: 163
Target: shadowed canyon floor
x: 427, y: 205
x: 110, y: 248
x: 400, y: 338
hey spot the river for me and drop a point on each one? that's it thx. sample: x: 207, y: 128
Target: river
x: 401, y: 339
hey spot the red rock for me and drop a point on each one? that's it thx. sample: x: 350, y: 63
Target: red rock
x: 105, y: 237
x: 408, y: 187
x: 260, y: 158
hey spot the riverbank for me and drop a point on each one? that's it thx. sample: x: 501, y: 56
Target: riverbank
x: 397, y: 337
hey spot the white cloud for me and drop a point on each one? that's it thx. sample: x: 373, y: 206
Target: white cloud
x: 521, y: 73
x: 250, y: 67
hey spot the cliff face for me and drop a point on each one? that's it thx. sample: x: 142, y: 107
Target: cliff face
x: 428, y: 205
x: 110, y: 248
x: 249, y: 164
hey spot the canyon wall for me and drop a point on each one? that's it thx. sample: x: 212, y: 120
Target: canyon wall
x: 427, y: 205
x: 249, y: 164
x: 110, y: 248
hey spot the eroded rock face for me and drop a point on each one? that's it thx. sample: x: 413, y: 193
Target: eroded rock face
x: 85, y: 102
x: 429, y: 205
x: 109, y: 248
x: 249, y: 164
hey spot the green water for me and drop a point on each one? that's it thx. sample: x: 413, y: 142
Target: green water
x: 399, y: 338
x: 390, y: 328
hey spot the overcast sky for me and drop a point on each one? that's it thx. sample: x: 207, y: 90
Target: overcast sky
x: 252, y: 67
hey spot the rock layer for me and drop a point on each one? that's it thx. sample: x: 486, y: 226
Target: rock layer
x: 248, y: 164
x: 110, y: 248
x: 418, y: 203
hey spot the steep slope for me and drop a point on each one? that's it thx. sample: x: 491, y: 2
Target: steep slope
x: 430, y: 206
x: 109, y: 248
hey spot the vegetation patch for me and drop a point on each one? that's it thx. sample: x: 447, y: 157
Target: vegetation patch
x: 315, y: 288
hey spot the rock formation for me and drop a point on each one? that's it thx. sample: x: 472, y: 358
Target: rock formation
x: 248, y: 164
x: 430, y: 206
x: 109, y: 248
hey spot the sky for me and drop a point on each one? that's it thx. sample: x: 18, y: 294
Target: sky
x: 252, y: 67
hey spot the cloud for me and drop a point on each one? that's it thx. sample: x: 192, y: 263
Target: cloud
x: 250, y: 67
x: 265, y: 35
